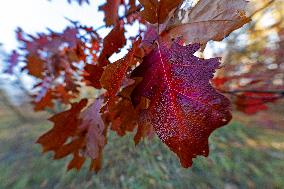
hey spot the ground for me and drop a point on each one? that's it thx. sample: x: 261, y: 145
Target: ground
x: 240, y: 157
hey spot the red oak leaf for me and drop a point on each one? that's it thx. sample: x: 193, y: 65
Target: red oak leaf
x: 41, y: 103
x: 35, y: 66
x: 184, y: 108
x: 65, y: 125
x: 112, y: 43
x: 76, y: 162
x: 251, y: 103
x: 96, y: 131
x: 85, y: 130
x: 157, y: 11
x: 123, y: 116
x: 220, y: 81
x: 110, y: 9
x: 62, y: 94
x: 61, y: 52
x: 92, y: 75
x: 43, y: 99
x: 115, y: 73
x: 145, y: 129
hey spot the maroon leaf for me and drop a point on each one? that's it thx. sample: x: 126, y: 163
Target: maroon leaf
x: 115, y: 73
x: 35, y: 66
x: 43, y: 99
x: 251, y: 103
x: 184, y: 109
x: 112, y: 43
x: 96, y: 130
x: 85, y: 130
x: 123, y: 116
x: 92, y: 75
x: 110, y: 9
x: 65, y: 125
x: 157, y: 11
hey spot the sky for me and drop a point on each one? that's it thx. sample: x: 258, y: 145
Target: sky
x: 37, y: 15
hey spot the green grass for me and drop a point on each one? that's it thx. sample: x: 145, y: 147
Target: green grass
x: 240, y: 157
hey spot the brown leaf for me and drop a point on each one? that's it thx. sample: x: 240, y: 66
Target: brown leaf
x: 158, y: 11
x: 144, y: 129
x: 85, y: 130
x: 208, y: 20
x: 112, y: 43
x: 35, y: 66
x: 123, y: 116
x: 76, y: 162
x: 44, y: 102
x: 110, y: 9
x: 93, y: 125
x: 92, y: 75
x: 62, y: 94
x: 65, y: 125
x: 115, y: 73
x: 69, y: 148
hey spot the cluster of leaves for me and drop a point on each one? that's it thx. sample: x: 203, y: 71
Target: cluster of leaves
x: 259, y: 79
x: 160, y: 86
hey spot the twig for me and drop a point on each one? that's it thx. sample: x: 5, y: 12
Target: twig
x: 138, y: 8
x: 262, y: 8
x: 253, y: 91
x: 280, y: 93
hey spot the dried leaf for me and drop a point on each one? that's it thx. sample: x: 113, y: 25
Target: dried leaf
x: 35, y: 66
x: 112, y: 43
x: 115, y: 73
x: 95, y: 128
x: 85, y: 130
x: 208, y: 20
x: 158, y: 11
x: 110, y: 9
x: 92, y: 75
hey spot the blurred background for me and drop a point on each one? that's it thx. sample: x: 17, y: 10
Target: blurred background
x: 248, y: 153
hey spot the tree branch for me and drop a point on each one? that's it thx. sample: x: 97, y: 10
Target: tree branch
x: 138, y: 8
x: 237, y: 92
x: 253, y: 91
x: 262, y: 8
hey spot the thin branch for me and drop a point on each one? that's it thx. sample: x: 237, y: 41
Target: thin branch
x: 262, y: 8
x: 253, y: 91
x: 138, y: 8
x: 279, y: 93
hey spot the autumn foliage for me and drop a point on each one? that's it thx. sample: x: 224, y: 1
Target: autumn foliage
x: 159, y: 87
